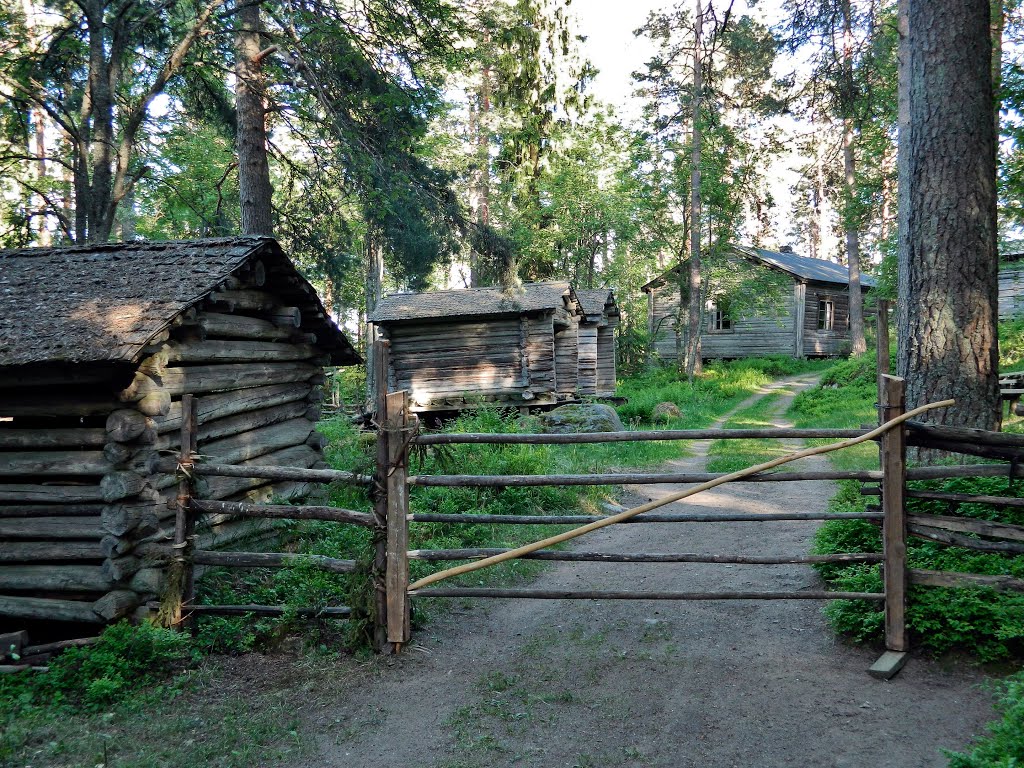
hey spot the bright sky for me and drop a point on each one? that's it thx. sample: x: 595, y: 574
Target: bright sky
x: 608, y: 26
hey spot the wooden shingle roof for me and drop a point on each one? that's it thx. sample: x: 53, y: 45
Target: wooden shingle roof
x: 104, y: 303
x: 597, y: 301
x: 435, y: 305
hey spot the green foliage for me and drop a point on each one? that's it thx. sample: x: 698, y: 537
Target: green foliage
x: 1011, y: 345
x: 125, y: 659
x: 1003, y: 747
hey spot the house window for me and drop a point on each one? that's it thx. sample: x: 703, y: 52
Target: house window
x: 826, y: 315
x: 719, y: 318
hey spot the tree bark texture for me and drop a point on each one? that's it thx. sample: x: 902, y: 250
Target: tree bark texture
x: 859, y: 346
x: 948, y: 258
x: 251, y: 137
x: 693, y: 352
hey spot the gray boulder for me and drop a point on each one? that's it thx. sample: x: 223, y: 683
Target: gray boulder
x: 581, y: 417
x: 666, y: 412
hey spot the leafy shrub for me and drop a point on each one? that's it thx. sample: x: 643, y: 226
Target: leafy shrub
x: 125, y: 658
x: 1003, y: 747
x: 983, y: 622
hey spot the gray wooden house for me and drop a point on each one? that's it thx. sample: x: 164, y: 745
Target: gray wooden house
x: 808, y: 316
x: 1011, y: 286
x: 97, y: 346
x: 462, y: 348
x: 597, y: 341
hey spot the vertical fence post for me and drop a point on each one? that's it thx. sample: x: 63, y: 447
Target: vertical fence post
x: 882, y: 345
x: 184, y: 519
x: 380, y: 498
x: 397, y: 574
x: 894, y: 526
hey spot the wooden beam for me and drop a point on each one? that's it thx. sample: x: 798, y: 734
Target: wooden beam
x: 570, y: 594
x: 894, y: 526
x: 396, y: 579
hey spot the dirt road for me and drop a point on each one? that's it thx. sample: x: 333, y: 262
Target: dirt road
x: 728, y: 683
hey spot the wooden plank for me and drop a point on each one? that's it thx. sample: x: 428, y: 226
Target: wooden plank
x: 894, y: 526
x: 381, y: 361
x: 211, y: 352
x: 50, y: 551
x: 51, y: 527
x: 199, y: 379
x: 450, y: 438
x: 54, y: 463
x: 929, y: 578
x: 396, y: 580
x: 469, y: 518
x: 46, y: 609
x: 51, y: 438
x: 571, y: 594
x: 970, y: 525
x: 54, y: 578
x: 334, y: 514
x: 960, y: 540
x: 435, y: 555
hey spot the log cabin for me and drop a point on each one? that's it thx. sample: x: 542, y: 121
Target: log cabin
x: 98, y: 344
x: 1011, y: 286
x: 806, y: 314
x: 463, y: 348
x: 597, y: 341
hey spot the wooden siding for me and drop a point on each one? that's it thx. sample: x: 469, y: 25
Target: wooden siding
x: 1011, y: 291
x: 540, y: 353
x: 751, y: 335
x: 606, y: 358
x: 826, y: 343
x: 567, y: 357
x: 588, y: 359
x: 456, y: 358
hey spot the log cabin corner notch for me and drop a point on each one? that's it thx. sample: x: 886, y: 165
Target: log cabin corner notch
x: 97, y: 346
x: 810, y: 319
x: 462, y: 348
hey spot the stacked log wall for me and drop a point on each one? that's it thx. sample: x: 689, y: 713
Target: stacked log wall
x: 606, y: 357
x: 567, y: 357
x: 79, y: 484
x: 1011, y: 291
x: 830, y: 342
x: 587, y: 375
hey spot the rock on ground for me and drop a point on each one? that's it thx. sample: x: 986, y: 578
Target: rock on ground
x: 582, y: 417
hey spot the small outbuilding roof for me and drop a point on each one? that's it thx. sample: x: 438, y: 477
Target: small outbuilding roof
x: 597, y: 301
x: 801, y: 267
x: 467, y: 302
x: 105, y: 302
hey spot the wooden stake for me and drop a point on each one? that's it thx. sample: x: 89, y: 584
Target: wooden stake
x: 184, y: 521
x: 894, y: 525
x: 380, y: 500
x: 397, y: 573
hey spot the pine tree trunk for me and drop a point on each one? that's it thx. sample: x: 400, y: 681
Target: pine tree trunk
x: 693, y: 351
x: 948, y: 260
x: 251, y: 136
x: 859, y: 346
x: 374, y: 293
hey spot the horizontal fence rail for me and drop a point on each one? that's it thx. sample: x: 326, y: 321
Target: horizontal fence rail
x: 570, y: 594
x: 282, y: 511
x: 274, y: 473
x: 577, y: 438
x: 645, y: 557
x: 647, y: 517
x: 646, y: 478
x: 330, y: 612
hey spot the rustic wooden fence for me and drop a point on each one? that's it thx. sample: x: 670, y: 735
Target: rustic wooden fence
x: 391, y: 519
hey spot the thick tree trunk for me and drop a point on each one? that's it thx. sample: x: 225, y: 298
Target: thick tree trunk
x: 251, y: 137
x: 102, y: 81
x: 374, y: 293
x: 693, y: 351
x: 947, y: 259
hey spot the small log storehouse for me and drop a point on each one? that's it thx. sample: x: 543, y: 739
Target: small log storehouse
x: 463, y: 348
x: 97, y: 346
x: 809, y: 316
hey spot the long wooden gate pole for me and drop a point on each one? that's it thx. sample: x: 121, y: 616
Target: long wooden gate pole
x: 380, y: 499
x: 184, y: 519
x: 894, y: 526
x: 396, y: 579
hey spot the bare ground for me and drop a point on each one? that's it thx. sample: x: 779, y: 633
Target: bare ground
x: 638, y: 683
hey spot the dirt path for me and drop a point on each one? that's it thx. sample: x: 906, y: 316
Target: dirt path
x: 728, y: 683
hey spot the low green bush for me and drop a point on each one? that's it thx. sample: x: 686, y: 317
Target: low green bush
x: 124, y: 659
x: 1003, y: 747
